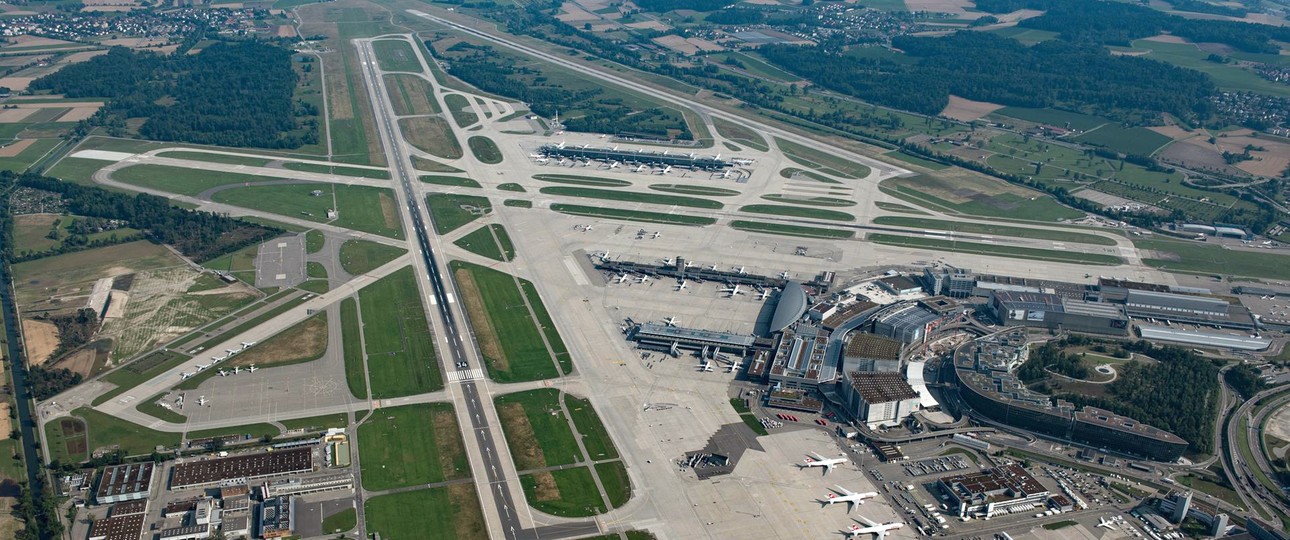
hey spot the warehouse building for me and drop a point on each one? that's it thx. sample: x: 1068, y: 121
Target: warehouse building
x: 994, y: 492
x: 239, y: 469
x: 878, y: 398
x: 871, y: 352
x: 799, y: 361
x: 125, y: 482
x: 127, y: 527
x: 1045, y: 310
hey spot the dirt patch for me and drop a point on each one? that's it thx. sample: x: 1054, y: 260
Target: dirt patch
x: 11, y: 150
x: 448, y: 437
x: 468, y: 521
x: 572, y: 13
x: 41, y: 339
x: 59, y: 105
x: 1197, y: 154
x: 13, y: 116
x: 160, y: 310
x: 388, y: 211
x: 34, y: 41
x: 485, y: 334
x: 81, y: 361
x: 303, y: 341
x: 76, y: 114
x: 544, y: 487
x: 649, y: 25
x: 1279, y: 424
x: 676, y: 43
x: 967, y: 110
x: 6, y: 424
x: 1166, y: 38
x: 527, y: 453
x: 117, y: 301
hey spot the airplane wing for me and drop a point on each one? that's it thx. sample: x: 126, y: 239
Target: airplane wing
x: 880, y: 534
x: 816, y: 456
x: 868, y: 522
x: 842, y: 490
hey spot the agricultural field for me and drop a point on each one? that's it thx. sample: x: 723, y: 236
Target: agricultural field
x: 399, y: 345
x: 411, y: 444
x: 360, y: 256
x: 994, y: 249
x: 424, y: 514
x: 630, y: 215
x: 633, y: 197
x: 1226, y: 76
x: 1138, y: 141
x: 1053, y: 117
x: 411, y: 95
x: 361, y: 208
x: 510, y: 339
x: 484, y: 149
x: 990, y: 229
x: 450, y: 212
x: 431, y: 134
x: 491, y: 241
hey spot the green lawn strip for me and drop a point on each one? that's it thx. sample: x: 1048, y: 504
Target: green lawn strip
x: 11, y: 466
x: 594, y: 436
x: 134, y: 373
x: 748, y: 417
x: 517, y: 203
x: 362, y: 256
x: 510, y: 339
x: 1060, y: 525
x: 400, y: 348
x: 480, y: 242
x: 511, y: 186
x: 378, y: 174
x: 258, y: 320
x: 456, y: 181
x: 1182, y: 256
x: 549, y: 428
x: 740, y: 134
x: 462, y: 113
x: 340, y: 522
x: 809, y: 201
x: 427, y: 165
x: 363, y: 208
x: 182, y: 181
x: 794, y: 173
x: 897, y: 207
x: 548, y: 327
x: 400, y: 448
x: 350, y: 328
x: 315, y: 270
x: 134, y: 439
x: 451, y: 211
x: 314, y: 241
x: 316, y: 286
x: 484, y: 149
x: 916, y: 160
x: 1214, y: 489
x: 578, y: 494
x: 632, y: 215
x: 194, y: 381
x: 1015, y: 252
x: 1247, y: 453
x: 797, y: 211
x: 989, y: 229
x: 246, y: 432
x: 581, y: 180
x: 686, y: 189
x: 618, y: 487
x: 821, y: 161
x: 442, y: 513
x: 317, y: 423
x: 215, y: 158
x: 151, y: 408
x: 632, y: 196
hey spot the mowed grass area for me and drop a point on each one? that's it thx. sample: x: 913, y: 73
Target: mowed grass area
x: 1138, y: 141
x: 442, y: 180
x: 341, y: 170
x: 426, y: 165
x: 797, y: 211
x: 362, y: 208
x: 994, y: 249
x: 565, y: 492
x: 1197, y: 257
x: 970, y: 194
x: 1053, y: 117
x: 76, y: 170
x: 484, y: 149
x: 431, y: 134
x: 481, y: 242
x: 215, y: 158
x: 35, y: 280
x: 897, y: 207
x: 687, y: 189
x: 581, y: 180
x: 341, y: 521
x: 451, y: 211
x: 443, y: 513
x: 410, y: 95
x: 631, y: 215
x: 632, y: 196
x: 988, y: 229
x: 789, y: 230
x: 594, y: 436
x: 361, y: 256
x: 396, y: 55
x: 537, y: 430
x: 741, y: 134
x: 350, y: 330
x: 916, y: 160
x: 794, y: 173
x: 411, y: 444
x: 180, y: 180
x: 809, y: 201
x: 401, y: 359
x: 618, y: 487
x: 821, y: 161
x: 509, y: 338
x: 105, y: 430
x: 461, y: 111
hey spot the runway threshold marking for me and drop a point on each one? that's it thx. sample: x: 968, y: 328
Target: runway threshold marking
x: 465, y: 375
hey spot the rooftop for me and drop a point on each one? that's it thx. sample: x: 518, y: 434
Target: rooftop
x: 130, y: 478
x: 871, y: 346
x: 1205, y: 339
x: 252, y: 465
x: 1012, y: 480
x: 790, y: 307
x: 118, y: 528
x: 693, y: 334
x: 900, y: 283
x: 137, y: 506
x: 881, y: 387
x: 1108, y: 419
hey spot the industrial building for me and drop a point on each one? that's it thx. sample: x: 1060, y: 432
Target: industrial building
x: 127, y: 527
x: 125, y: 482
x: 674, y: 338
x: 239, y: 469
x: 277, y: 517
x: 1045, y: 310
x: 994, y: 492
x: 899, y: 285
x: 638, y: 156
x: 878, y: 398
x: 306, y: 485
x: 1179, y: 308
x: 871, y: 352
x: 799, y: 361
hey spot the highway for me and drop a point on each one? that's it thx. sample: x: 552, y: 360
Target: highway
x: 491, y: 466
x: 1238, y: 471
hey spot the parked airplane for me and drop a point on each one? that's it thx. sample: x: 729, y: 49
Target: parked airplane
x: 185, y: 375
x: 622, y: 278
x: 705, y: 365
x: 783, y: 275
x: 680, y: 285
x: 713, y: 268
x: 878, y: 530
x: 587, y: 228
x: 1106, y: 523
x: 731, y: 292
x: 668, y: 261
x: 201, y: 401
x: 657, y: 235
x: 223, y: 373
x: 542, y: 160
x: 734, y: 368
x: 763, y: 294
x: 251, y: 369
x: 816, y: 460
x: 643, y: 279
x: 560, y: 146
x: 670, y: 321
x: 231, y: 351
x: 844, y: 495
x: 202, y: 366
x: 725, y: 175
x: 740, y: 270
x: 690, y: 264
x: 247, y: 344
x: 640, y: 168
x: 665, y: 170
x: 614, y: 164
x: 236, y: 370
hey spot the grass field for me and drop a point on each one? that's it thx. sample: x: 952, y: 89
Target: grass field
x: 517, y: 203
x: 821, y: 161
x: 151, y: 408
x: 594, y: 436
x: 631, y: 215
x: 451, y: 211
x: 443, y: 513
x: 341, y: 521
x: 337, y: 169
x: 1138, y: 141
x: 687, y: 189
x: 30, y: 232
x: 422, y: 164
x: 916, y: 160
x: 633, y: 197
x: 244, y: 432
x: 134, y: 439
x: 511, y: 186
x: 566, y: 492
x: 360, y: 256
x: 897, y: 207
x: 994, y: 249
x: 180, y: 180
x: 400, y: 348
x: 76, y: 170
x: 484, y: 149
x: 317, y: 423
x: 350, y: 335
x: 481, y: 242
x: 314, y: 241
x: 794, y: 173
x: 1053, y: 117
x: 581, y: 180
x: 1226, y: 76
x: 36, y: 280
x: 509, y: 338
x: 215, y: 158
x: 411, y: 444
x: 797, y: 211
x: 396, y: 55
x: 809, y: 201
x: 748, y: 417
x: 1203, y: 258
x: 361, y: 208
x: 431, y: 134
x: 977, y: 196
x: 442, y: 180
x: 1028, y: 36
x: 411, y: 95
x: 740, y: 134
x: 537, y: 430
x: 789, y: 230
x: 459, y: 107
x: 618, y: 487
x: 1001, y: 230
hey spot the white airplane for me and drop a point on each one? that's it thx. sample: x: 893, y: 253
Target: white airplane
x: 223, y: 373
x: 731, y: 292
x: 560, y: 146
x: 185, y: 375
x: 201, y: 401
x: 705, y: 366
x: 740, y: 271
x: 231, y: 351
x: 764, y: 294
x: 713, y: 267
x: 622, y: 278
x: 613, y: 164
x: 668, y: 261
x: 718, y: 156
x: 216, y: 359
x: 735, y: 366
x: 670, y: 321
x: 202, y: 366
x: 816, y: 460
x: 690, y: 264
x: 643, y: 279
x: 665, y: 170
x: 542, y: 160
x: 681, y: 285
x: 844, y: 495
x: 237, y: 369
x: 640, y: 168
x: 251, y: 369
x: 783, y: 275
x: 536, y: 156
x: 247, y: 344
x: 1106, y: 523
x: 725, y: 175
x: 878, y: 530
x: 657, y: 235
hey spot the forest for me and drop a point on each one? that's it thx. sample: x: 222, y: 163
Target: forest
x: 228, y: 94
x: 986, y: 67
x: 1051, y: 357
x: 1103, y: 22
x: 198, y: 235
x: 46, y: 382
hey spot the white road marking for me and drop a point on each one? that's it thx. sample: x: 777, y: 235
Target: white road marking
x: 465, y: 375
